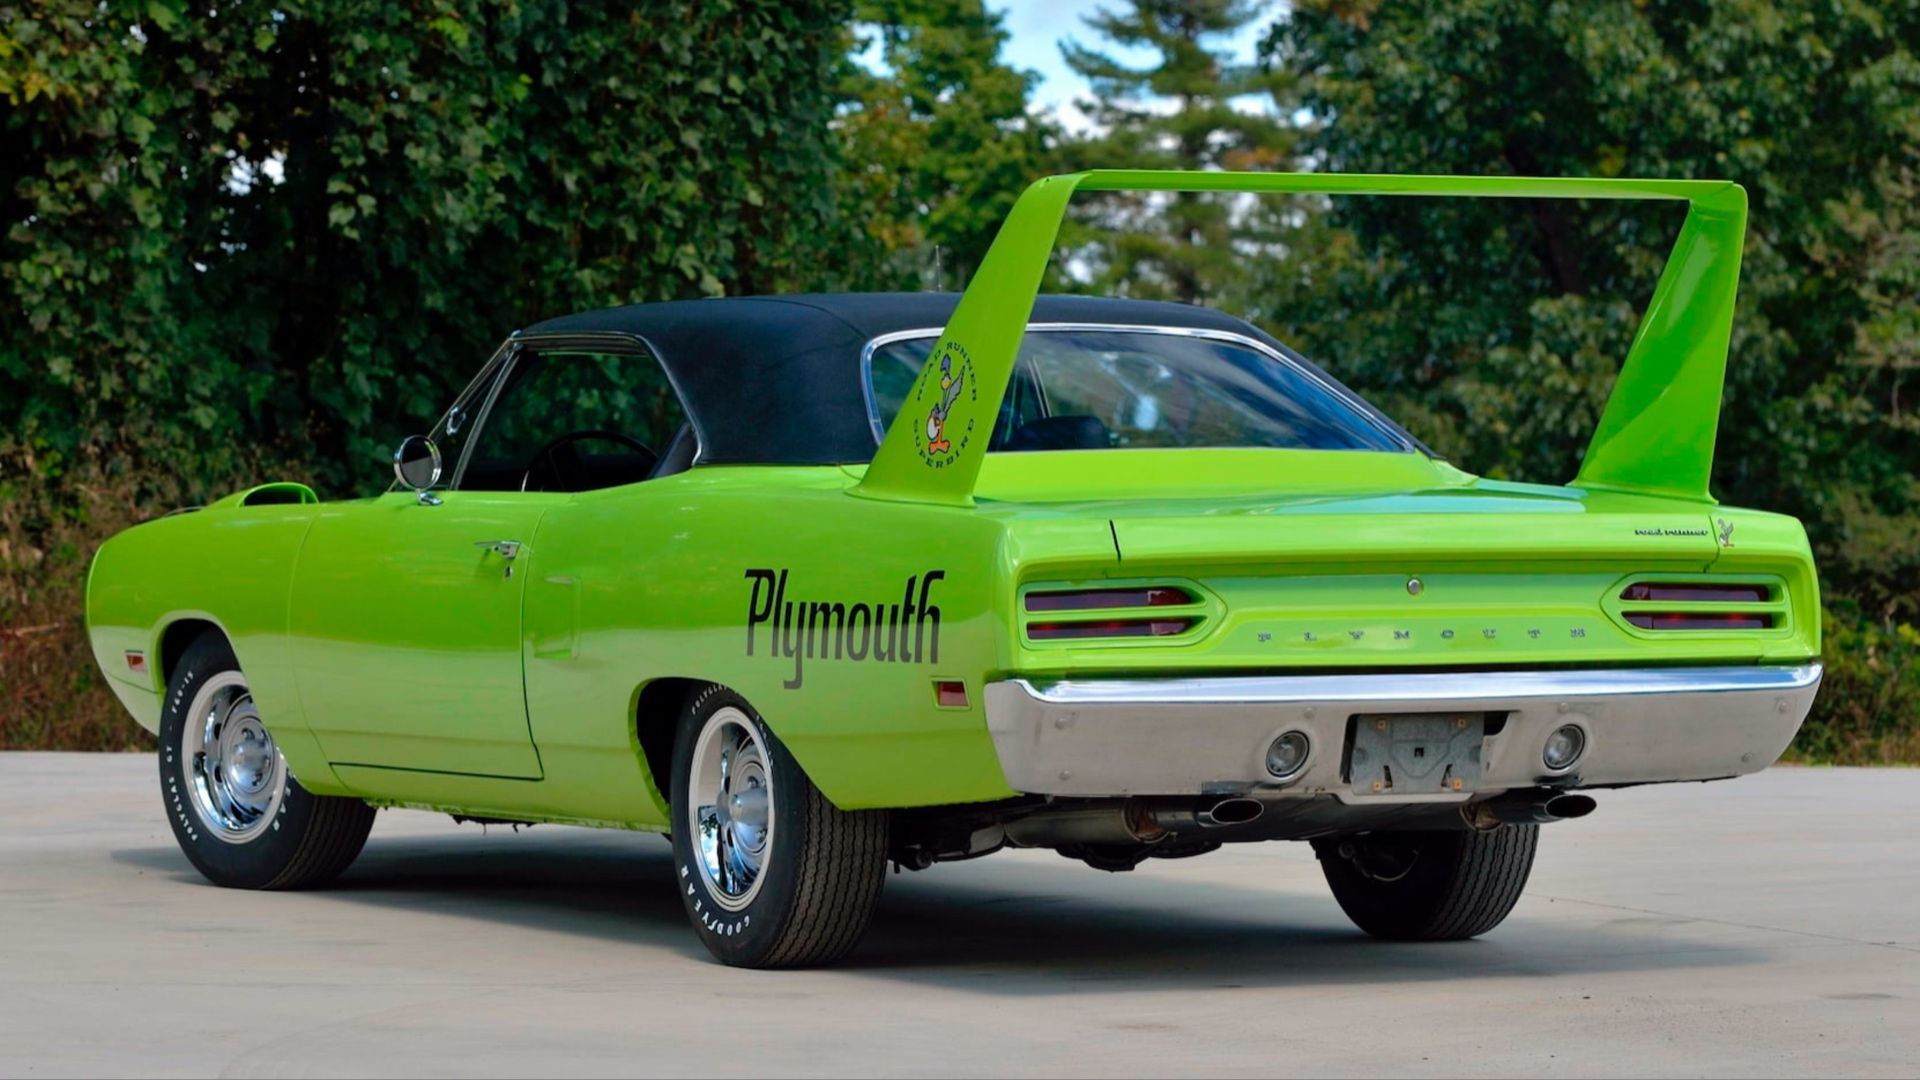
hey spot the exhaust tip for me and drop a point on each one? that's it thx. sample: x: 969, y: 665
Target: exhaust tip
x: 1233, y: 812
x: 1570, y: 806
x: 1537, y: 807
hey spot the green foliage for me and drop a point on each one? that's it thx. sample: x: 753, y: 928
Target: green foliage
x: 938, y: 142
x: 1188, y: 110
x: 300, y: 226
x: 1868, y: 710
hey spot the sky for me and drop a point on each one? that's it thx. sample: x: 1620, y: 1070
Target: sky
x: 1036, y: 28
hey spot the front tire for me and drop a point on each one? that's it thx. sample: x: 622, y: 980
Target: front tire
x: 236, y: 810
x: 771, y: 873
x: 1429, y: 886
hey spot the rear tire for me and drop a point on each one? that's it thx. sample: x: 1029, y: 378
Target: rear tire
x: 1429, y: 886
x: 236, y: 810
x: 771, y: 873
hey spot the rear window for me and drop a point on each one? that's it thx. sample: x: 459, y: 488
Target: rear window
x: 1097, y: 389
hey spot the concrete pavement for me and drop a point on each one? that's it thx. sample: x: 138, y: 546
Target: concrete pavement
x: 1767, y: 926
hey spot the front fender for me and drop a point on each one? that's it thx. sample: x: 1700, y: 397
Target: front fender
x: 230, y: 568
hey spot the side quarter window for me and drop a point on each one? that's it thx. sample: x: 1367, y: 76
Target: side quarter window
x: 455, y: 428
x: 568, y: 419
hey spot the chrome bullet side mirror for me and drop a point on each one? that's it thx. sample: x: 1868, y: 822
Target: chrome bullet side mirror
x: 416, y: 464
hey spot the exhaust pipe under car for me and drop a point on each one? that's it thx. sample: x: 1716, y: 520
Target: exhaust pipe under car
x: 1150, y: 821
x: 1236, y: 811
x: 1135, y: 821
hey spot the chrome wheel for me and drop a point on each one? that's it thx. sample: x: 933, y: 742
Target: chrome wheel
x: 235, y: 776
x: 730, y: 805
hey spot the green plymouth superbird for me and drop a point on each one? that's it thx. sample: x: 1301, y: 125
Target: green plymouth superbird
x: 819, y: 583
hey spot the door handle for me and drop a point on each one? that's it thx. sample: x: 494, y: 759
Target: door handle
x: 507, y: 549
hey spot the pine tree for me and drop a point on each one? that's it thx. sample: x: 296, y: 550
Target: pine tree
x: 1192, y: 108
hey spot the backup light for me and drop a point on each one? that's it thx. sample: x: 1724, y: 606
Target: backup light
x: 1288, y: 754
x: 1564, y: 747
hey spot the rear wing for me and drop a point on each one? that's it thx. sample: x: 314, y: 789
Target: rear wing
x: 1656, y: 435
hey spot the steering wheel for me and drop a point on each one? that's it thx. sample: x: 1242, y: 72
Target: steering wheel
x: 548, y: 456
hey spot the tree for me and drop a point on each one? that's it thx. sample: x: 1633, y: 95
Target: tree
x: 1192, y: 108
x: 938, y: 142
x: 301, y: 225
x: 243, y: 239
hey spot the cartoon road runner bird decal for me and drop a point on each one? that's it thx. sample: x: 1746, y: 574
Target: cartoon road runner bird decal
x: 950, y: 382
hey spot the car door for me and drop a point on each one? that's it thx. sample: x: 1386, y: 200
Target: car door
x: 407, y: 612
x: 405, y: 619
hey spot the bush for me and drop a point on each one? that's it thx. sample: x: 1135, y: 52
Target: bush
x: 1868, y: 711
x: 53, y: 696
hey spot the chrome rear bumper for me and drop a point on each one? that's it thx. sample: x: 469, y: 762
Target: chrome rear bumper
x: 1191, y: 736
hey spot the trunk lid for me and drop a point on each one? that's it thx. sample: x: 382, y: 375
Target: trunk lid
x: 1345, y: 560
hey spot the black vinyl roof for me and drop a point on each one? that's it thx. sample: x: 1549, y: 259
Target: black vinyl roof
x: 777, y: 380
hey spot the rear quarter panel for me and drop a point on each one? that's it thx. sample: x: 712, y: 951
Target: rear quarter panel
x: 754, y: 578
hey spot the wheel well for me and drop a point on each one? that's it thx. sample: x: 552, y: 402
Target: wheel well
x: 656, y: 718
x: 175, y: 640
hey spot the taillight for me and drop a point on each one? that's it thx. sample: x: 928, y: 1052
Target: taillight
x: 1110, y: 612
x: 1700, y: 620
x: 1690, y: 592
x: 1108, y: 628
x: 1701, y: 605
x: 1103, y: 599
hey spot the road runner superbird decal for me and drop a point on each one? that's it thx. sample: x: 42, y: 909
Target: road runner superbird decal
x: 907, y: 632
x: 938, y: 445
x: 951, y: 382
